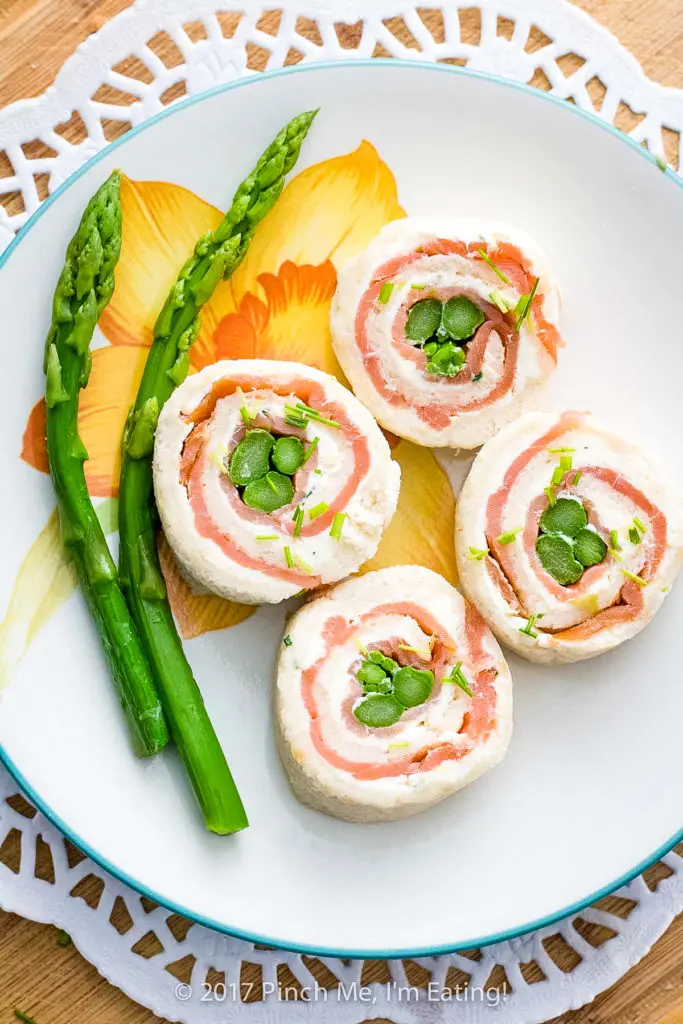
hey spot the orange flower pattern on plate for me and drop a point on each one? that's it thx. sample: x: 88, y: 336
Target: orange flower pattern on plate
x: 276, y: 306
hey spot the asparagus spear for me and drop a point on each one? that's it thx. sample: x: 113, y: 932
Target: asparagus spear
x: 83, y: 290
x: 216, y: 255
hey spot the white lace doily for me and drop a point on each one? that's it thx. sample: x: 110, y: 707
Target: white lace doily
x: 151, y: 54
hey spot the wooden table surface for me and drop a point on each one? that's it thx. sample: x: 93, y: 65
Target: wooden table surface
x: 53, y: 983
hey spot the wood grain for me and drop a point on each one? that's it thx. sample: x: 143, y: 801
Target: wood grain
x: 53, y: 983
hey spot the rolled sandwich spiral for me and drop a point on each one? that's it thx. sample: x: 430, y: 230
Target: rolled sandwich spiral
x: 568, y: 537
x: 270, y: 478
x: 391, y: 695
x: 445, y: 329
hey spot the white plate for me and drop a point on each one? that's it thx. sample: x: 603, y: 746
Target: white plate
x: 590, y: 789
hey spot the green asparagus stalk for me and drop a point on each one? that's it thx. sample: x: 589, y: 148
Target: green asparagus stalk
x: 216, y: 256
x: 83, y: 290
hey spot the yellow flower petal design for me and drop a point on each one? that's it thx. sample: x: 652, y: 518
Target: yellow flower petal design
x: 197, y: 613
x: 44, y: 581
x: 422, y: 530
x: 161, y: 225
x: 325, y: 216
x: 292, y: 323
x: 329, y: 211
x: 102, y: 413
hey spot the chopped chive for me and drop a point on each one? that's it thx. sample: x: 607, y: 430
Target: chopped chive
x: 298, y: 520
x: 665, y: 590
x: 477, y: 377
x: 500, y: 301
x: 64, y: 939
x: 527, y: 305
x: 385, y: 292
x: 418, y: 287
x: 292, y: 419
x: 246, y: 415
x: 557, y: 477
x: 288, y: 558
x: 614, y: 540
x: 294, y: 412
x: 412, y: 650
x: 636, y: 579
x: 559, y: 471
x: 529, y: 627
x: 304, y: 566
x: 363, y: 650
x: 457, y: 678
x: 633, y: 535
x: 507, y: 538
x: 550, y: 494
x: 318, y: 510
x: 23, y: 1017
x: 577, y: 477
x: 309, y: 451
x: 560, y: 451
x: 306, y: 412
x: 337, y: 525
x: 287, y: 641
x: 639, y: 524
x: 271, y: 483
x: 534, y: 289
x: 395, y: 746
x: 318, y: 472
x: 476, y: 554
x: 267, y: 536
x: 521, y: 303
x: 303, y: 408
x: 487, y: 259
x: 661, y: 163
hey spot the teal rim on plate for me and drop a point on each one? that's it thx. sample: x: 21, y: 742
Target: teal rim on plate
x: 98, y: 858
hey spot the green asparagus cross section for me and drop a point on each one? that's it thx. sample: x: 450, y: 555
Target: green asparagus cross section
x: 216, y: 256
x: 84, y: 288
